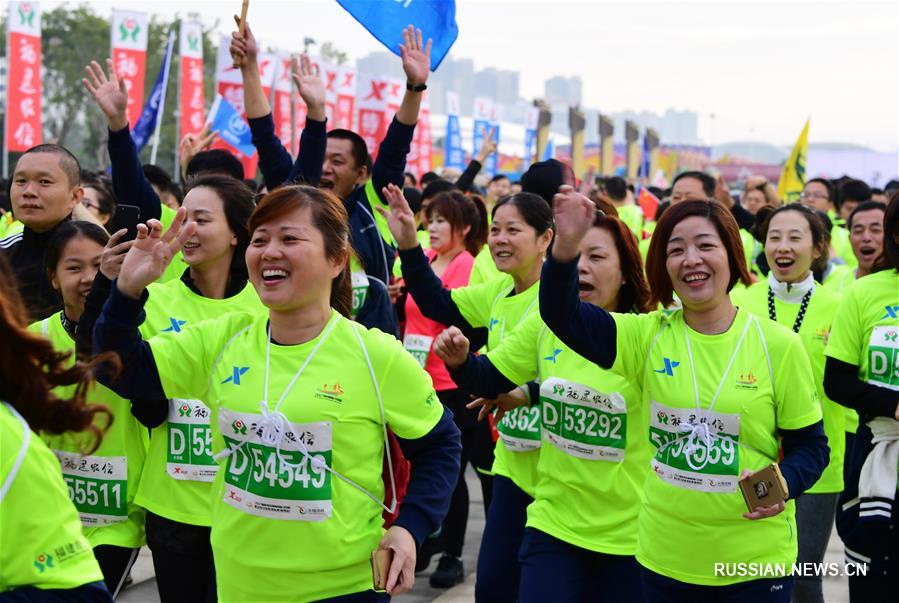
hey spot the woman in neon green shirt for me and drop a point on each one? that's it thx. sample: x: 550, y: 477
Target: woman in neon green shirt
x: 722, y: 388
x: 43, y: 553
x: 300, y: 401
x: 862, y: 373
x: 596, y: 454
x: 520, y: 233
x: 177, y: 480
x: 795, y: 246
x: 102, y: 484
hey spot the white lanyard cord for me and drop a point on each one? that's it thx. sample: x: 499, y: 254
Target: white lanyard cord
x: 274, y: 424
x: 733, y: 358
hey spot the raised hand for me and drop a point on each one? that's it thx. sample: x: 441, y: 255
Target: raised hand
x: 310, y: 86
x: 451, y: 346
x: 244, y: 49
x: 488, y: 146
x: 574, y: 214
x: 416, y: 56
x: 400, y: 218
x: 114, y: 254
x: 151, y: 253
x: 502, y: 404
x: 109, y: 92
x: 191, y: 145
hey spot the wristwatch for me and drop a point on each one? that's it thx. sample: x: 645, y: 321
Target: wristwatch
x: 415, y: 88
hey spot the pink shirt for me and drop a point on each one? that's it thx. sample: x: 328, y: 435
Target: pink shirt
x: 421, y: 332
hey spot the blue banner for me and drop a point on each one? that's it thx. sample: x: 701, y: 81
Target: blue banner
x: 550, y: 151
x: 530, y: 141
x: 455, y: 155
x: 644, y: 164
x: 232, y: 128
x: 146, y: 123
x: 386, y: 20
x: 482, y: 127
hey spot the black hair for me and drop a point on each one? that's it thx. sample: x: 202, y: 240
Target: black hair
x: 435, y: 187
x: 545, y: 177
x: 826, y: 184
x: 413, y: 198
x: 176, y: 191
x: 427, y: 178
x: 5, y: 204
x: 359, y: 148
x: 498, y: 177
x: 820, y: 232
x: 890, y: 257
x: 67, y: 231
x: 238, y: 204
x: 67, y: 161
x: 865, y: 206
x: 853, y: 190
x: 616, y: 188
x: 533, y: 208
x: 157, y: 176
x: 891, y: 186
x: 708, y: 183
x: 215, y: 161
x: 105, y: 197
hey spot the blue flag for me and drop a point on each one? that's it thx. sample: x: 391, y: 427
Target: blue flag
x: 386, y: 20
x: 550, y: 151
x: 232, y: 128
x: 146, y: 123
x: 644, y: 164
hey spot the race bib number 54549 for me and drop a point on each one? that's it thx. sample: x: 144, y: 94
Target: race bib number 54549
x: 290, y: 485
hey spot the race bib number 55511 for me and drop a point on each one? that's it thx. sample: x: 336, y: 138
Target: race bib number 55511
x: 98, y: 485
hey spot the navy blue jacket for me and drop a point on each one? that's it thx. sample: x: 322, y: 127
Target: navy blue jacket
x: 376, y: 254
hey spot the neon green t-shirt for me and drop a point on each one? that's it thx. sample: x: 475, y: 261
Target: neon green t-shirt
x: 9, y: 225
x: 840, y: 278
x: 494, y: 305
x: 632, y: 215
x: 178, y: 474
x: 595, y: 453
x: 103, y: 484
x: 814, y: 331
x: 41, y: 541
x: 275, y: 513
x: 692, y: 516
x: 178, y: 266
x: 866, y: 331
x: 839, y: 240
x: 484, y: 268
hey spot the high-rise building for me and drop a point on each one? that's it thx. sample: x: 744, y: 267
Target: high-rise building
x: 563, y: 90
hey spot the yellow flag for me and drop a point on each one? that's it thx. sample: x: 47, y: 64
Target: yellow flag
x: 792, y: 177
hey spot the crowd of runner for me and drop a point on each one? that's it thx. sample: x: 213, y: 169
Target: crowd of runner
x: 278, y: 386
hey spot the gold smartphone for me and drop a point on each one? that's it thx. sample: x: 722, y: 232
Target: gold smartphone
x: 380, y: 566
x: 764, y: 488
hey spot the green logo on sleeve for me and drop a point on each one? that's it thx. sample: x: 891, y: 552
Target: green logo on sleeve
x: 43, y: 561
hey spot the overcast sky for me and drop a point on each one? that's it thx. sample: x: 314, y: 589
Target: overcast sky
x: 761, y: 67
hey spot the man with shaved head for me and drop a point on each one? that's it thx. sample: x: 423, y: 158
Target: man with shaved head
x: 45, y: 189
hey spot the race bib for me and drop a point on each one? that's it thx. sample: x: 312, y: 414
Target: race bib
x: 98, y: 485
x: 189, y: 455
x: 289, y: 485
x: 519, y: 429
x: 360, y: 290
x: 714, y: 468
x: 419, y: 346
x: 883, y: 357
x: 583, y: 422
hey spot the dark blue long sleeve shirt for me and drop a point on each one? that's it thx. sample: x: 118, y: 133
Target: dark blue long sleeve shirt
x: 274, y: 160
x: 435, y: 457
x: 590, y: 331
x: 129, y: 184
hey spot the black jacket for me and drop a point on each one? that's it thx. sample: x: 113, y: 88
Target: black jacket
x: 26, y: 252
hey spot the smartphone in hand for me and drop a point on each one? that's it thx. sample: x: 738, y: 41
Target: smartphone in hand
x: 128, y: 217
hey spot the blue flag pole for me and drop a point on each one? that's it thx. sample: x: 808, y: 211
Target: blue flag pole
x: 165, y: 84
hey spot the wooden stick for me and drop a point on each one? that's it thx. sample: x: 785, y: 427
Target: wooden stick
x: 242, y: 26
x: 243, y: 17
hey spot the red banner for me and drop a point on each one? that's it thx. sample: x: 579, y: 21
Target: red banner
x: 281, y: 100
x: 192, y: 96
x: 129, y: 55
x: 23, y: 104
x: 372, y: 111
x: 345, y: 103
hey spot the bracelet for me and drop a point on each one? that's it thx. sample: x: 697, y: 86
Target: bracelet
x: 415, y: 87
